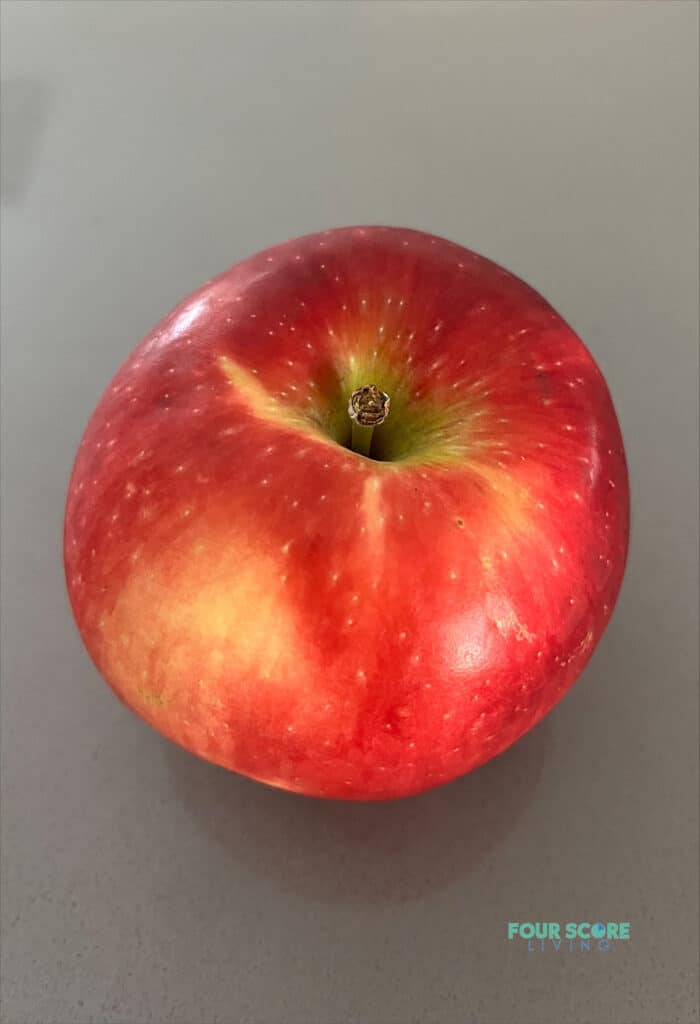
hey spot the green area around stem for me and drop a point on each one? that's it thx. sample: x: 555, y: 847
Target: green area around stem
x: 417, y: 429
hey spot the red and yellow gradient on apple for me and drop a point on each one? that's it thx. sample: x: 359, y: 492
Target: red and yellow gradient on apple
x: 337, y: 625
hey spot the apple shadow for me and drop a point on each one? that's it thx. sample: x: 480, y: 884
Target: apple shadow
x: 336, y: 851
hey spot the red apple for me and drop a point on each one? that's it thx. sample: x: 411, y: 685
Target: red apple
x: 330, y: 623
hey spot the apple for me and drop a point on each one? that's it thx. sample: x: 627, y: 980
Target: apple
x: 352, y: 518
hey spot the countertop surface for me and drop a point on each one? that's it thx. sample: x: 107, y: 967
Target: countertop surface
x: 146, y: 147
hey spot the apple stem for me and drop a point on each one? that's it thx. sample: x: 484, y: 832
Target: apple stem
x: 368, y: 408
x: 361, y: 440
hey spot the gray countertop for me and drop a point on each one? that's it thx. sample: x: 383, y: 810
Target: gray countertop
x: 147, y: 146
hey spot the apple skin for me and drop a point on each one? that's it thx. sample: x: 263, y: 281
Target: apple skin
x: 330, y: 624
